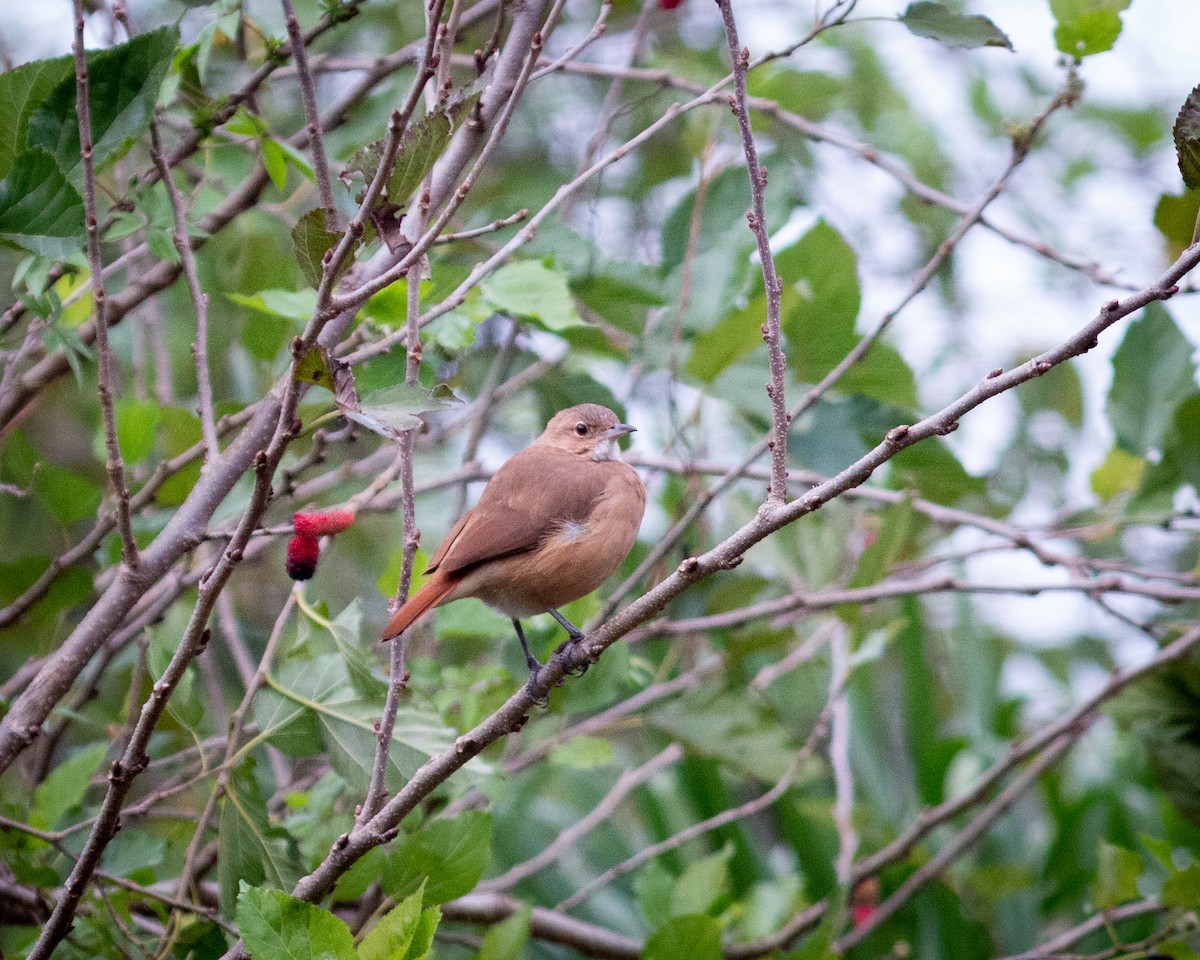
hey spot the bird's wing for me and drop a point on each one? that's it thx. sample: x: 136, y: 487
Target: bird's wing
x: 527, y: 499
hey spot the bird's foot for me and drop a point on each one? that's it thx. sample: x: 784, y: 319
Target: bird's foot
x: 541, y: 700
x: 578, y: 671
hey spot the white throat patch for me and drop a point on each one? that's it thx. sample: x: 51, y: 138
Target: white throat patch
x: 607, y: 450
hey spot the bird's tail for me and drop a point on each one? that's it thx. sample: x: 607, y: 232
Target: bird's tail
x: 428, y: 597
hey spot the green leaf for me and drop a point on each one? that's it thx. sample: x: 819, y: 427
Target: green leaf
x: 295, y: 305
x: 276, y: 926
x: 1187, y: 139
x: 1085, y: 27
x: 39, y: 210
x: 420, y: 148
x: 533, y: 291
x: 1116, y: 875
x: 137, y: 428
x: 67, y: 495
x: 652, y: 887
x: 448, y: 856
x: 1120, y: 472
x: 404, y: 933
x: 180, y: 430
x: 729, y: 728
x: 277, y: 316
x: 583, y: 753
x: 66, y: 785
x: 507, y: 939
x: 821, y: 324
x: 314, y: 368
x: 1182, y: 888
x: 249, y: 849
x: 936, y: 21
x: 21, y: 92
x: 393, y: 410
x: 736, y: 336
x: 122, y: 90
x: 702, y: 884
x: 275, y: 162
x: 311, y: 241
x: 809, y: 93
x: 1175, y: 217
x: 1139, y: 406
x: 685, y: 938
x: 313, y: 701
x: 184, y: 705
x: 1059, y: 390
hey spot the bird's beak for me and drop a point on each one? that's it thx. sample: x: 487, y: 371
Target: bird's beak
x: 620, y: 430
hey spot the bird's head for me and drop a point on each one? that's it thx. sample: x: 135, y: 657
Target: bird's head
x: 588, y: 430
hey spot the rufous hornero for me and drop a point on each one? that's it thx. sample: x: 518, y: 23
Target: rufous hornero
x: 552, y: 524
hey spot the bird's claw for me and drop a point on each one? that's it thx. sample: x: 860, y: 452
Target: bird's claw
x: 577, y: 671
x: 535, y: 666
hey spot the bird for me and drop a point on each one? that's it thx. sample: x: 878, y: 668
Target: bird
x: 551, y: 526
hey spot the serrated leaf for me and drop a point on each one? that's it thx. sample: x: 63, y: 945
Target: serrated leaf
x: 39, y: 210
x: 448, y: 856
x: 66, y: 785
x: 1187, y: 139
x: 249, y: 849
x: 22, y: 90
x: 393, y: 410
x: 935, y: 21
x: 1086, y: 27
x: 276, y: 926
x: 534, y: 291
x: 420, y: 148
x: 402, y: 932
x: 311, y: 241
x: 310, y: 702
x: 122, y: 91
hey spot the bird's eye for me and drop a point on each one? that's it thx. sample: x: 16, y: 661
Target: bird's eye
x: 581, y: 429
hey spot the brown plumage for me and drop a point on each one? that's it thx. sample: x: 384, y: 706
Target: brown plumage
x: 552, y: 525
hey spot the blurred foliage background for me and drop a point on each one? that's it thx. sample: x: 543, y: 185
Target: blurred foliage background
x: 912, y: 700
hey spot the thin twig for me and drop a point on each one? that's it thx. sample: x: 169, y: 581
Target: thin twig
x: 701, y: 827
x: 208, y: 421
x: 568, y: 838
x: 839, y: 754
x: 772, y: 331
x: 308, y: 96
x: 104, y: 358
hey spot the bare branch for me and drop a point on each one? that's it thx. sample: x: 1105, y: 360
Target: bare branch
x: 183, y: 243
x: 772, y: 331
x: 308, y: 96
x: 104, y: 357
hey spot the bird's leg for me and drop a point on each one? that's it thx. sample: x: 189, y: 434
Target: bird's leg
x: 573, y: 631
x: 574, y: 634
x: 531, y: 661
